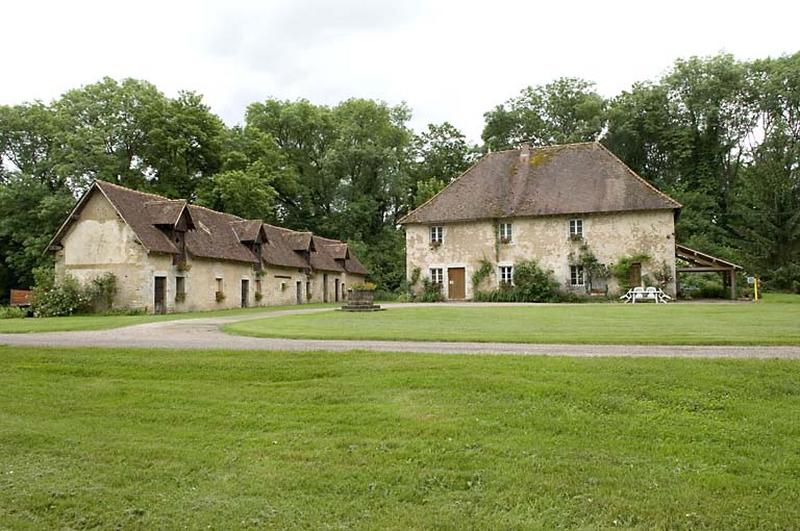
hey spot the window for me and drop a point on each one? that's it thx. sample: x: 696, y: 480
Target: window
x: 219, y: 284
x: 505, y: 232
x: 436, y: 235
x: 258, y: 286
x: 576, y: 228
x: 437, y: 275
x: 506, y: 274
x: 576, y: 275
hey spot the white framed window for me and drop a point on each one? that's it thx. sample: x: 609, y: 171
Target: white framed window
x: 437, y: 234
x: 437, y: 275
x: 219, y: 284
x: 576, y: 228
x: 576, y: 275
x: 505, y: 232
x: 506, y: 274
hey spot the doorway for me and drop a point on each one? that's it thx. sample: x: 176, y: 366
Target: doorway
x: 299, y: 292
x: 635, y: 275
x: 456, y: 283
x: 325, y: 287
x: 245, y: 293
x: 336, y: 290
x: 160, y: 295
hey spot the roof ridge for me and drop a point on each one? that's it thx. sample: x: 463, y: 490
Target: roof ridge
x: 125, y: 188
x: 193, y: 205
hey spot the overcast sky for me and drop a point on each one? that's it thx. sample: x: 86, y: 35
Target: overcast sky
x: 449, y: 60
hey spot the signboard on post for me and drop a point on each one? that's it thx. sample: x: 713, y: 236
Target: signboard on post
x: 20, y: 297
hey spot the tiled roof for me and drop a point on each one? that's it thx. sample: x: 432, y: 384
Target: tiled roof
x: 568, y: 179
x: 216, y: 235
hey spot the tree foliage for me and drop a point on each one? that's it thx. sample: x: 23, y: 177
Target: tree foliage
x: 720, y: 135
x: 566, y: 110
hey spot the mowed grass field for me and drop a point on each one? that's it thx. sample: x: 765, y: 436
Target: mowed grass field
x: 105, y: 322
x: 165, y: 439
x: 771, y: 323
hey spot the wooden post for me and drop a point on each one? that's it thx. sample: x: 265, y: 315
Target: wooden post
x: 732, y: 274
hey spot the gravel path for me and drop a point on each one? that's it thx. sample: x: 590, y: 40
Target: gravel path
x: 205, y: 333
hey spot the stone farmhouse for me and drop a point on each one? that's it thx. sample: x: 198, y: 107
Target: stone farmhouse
x: 168, y: 255
x: 542, y: 204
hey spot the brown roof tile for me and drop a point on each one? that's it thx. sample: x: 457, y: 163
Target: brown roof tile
x: 217, y: 235
x: 568, y: 179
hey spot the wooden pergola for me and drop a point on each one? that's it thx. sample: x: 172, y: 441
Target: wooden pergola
x: 705, y: 263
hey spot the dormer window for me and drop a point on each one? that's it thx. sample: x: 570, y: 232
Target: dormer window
x: 576, y: 228
x: 504, y: 230
x: 437, y: 235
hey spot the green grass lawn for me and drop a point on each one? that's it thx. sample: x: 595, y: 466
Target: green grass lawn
x: 773, y: 323
x: 105, y: 322
x: 166, y: 439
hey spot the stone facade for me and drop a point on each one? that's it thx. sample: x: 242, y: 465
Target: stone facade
x: 546, y: 240
x: 100, y: 241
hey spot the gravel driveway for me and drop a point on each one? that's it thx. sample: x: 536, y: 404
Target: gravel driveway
x: 205, y: 333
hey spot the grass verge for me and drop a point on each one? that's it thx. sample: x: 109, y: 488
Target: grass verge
x: 776, y: 323
x: 105, y: 322
x: 167, y: 439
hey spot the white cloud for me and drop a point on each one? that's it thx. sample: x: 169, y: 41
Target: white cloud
x: 448, y: 60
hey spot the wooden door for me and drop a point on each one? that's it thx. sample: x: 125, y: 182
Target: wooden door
x: 159, y: 295
x: 635, y: 275
x: 245, y: 293
x: 456, y: 283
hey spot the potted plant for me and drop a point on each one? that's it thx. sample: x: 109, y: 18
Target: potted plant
x: 436, y: 244
x: 219, y: 296
x: 259, y: 296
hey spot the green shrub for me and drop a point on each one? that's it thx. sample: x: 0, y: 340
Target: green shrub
x: 387, y: 296
x: 431, y: 292
x: 12, y: 312
x: 64, y: 298
x: 100, y: 292
x: 68, y: 297
x: 365, y: 286
x: 533, y: 283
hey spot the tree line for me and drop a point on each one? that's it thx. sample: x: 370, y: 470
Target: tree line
x: 718, y: 134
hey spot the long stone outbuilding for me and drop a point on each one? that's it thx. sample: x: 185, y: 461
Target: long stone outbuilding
x: 168, y: 255
x: 546, y: 204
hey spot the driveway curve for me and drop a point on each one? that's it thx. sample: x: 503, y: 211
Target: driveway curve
x: 205, y: 333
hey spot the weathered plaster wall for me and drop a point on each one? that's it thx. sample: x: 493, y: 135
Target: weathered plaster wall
x: 101, y: 242
x: 545, y: 239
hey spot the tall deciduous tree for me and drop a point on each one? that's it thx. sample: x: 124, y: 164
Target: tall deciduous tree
x: 566, y: 110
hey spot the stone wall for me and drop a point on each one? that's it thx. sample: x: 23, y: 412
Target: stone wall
x: 546, y: 240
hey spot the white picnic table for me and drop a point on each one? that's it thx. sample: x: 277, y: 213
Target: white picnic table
x: 649, y: 293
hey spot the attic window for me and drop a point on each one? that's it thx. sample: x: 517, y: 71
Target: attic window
x: 576, y: 228
x: 437, y: 234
